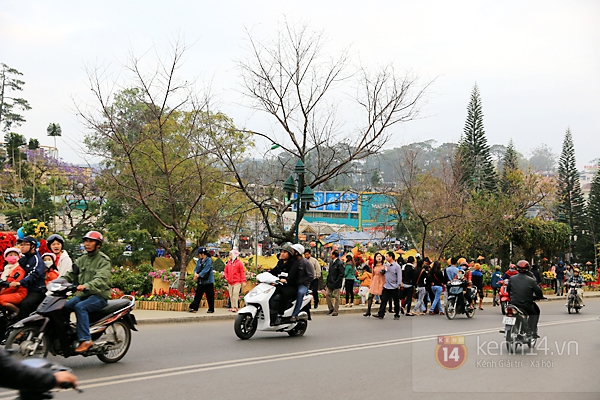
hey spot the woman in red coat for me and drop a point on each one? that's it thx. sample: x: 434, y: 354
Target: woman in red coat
x: 11, y: 297
x: 235, y: 275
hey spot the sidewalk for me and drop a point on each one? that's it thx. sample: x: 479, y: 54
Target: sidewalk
x: 162, y: 317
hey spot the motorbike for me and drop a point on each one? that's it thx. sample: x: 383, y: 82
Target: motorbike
x: 49, y: 329
x: 516, y: 328
x: 572, y: 301
x: 504, y: 297
x: 258, y: 313
x: 455, y: 304
x: 33, y: 394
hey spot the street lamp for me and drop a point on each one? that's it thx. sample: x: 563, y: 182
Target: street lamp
x: 304, y: 194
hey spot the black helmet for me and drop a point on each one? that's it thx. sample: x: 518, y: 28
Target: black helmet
x: 55, y: 238
x: 523, y: 266
x: 31, y: 240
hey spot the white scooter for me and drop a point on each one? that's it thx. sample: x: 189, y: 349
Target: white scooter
x: 257, y: 315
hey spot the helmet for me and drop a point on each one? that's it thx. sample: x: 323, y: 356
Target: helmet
x: 576, y: 270
x: 55, y: 237
x: 288, y: 247
x: 94, y: 235
x: 31, y: 240
x: 298, y: 247
x: 461, y: 261
x: 523, y: 266
x: 51, y: 255
x: 12, y: 249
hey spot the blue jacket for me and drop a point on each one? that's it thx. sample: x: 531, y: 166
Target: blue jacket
x: 204, y: 268
x: 496, y: 276
x: 36, y: 273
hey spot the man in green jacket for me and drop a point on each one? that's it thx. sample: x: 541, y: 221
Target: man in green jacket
x: 93, y: 286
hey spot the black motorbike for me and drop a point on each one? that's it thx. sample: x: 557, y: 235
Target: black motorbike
x: 572, y: 300
x: 456, y: 302
x: 516, y: 328
x: 50, y: 330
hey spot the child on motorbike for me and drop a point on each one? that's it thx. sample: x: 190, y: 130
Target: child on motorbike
x: 51, y: 269
x: 11, y: 297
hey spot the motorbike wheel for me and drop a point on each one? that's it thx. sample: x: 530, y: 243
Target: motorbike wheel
x: 120, y: 335
x: 511, y: 337
x: 569, y: 305
x: 299, y: 329
x: 471, y: 313
x: 450, y: 308
x: 503, y: 307
x: 21, y: 340
x: 245, y: 326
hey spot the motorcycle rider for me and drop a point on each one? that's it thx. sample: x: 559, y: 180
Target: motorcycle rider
x: 287, y: 271
x: 35, y: 269
x: 306, y: 274
x: 523, y: 289
x: 92, y: 277
x: 577, y: 279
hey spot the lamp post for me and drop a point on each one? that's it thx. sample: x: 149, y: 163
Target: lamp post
x: 304, y: 194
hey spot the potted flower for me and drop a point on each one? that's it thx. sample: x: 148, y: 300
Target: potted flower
x: 161, y: 280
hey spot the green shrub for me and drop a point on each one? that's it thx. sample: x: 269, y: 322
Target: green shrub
x: 132, y: 279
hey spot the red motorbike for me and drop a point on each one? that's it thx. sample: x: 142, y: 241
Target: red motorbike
x: 504, y: 297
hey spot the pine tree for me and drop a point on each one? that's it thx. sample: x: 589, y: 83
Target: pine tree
x: 473, y: 157
x: 593, y: 208
x: 510, y: 162
x: 570, y: 199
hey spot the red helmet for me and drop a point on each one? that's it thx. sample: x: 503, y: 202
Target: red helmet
x: 523, y: 266
x: 94, y: 235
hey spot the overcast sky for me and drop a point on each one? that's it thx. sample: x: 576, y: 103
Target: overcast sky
x: 537, y: 63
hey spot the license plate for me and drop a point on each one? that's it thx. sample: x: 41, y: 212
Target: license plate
x: 509, y: 320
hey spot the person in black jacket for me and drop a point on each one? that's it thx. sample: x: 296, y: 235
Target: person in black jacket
x: 335, y: 276
x: 35, y: 269
x: 522, y: 290
x: 287, y: 271
x: 408, y: 281
x: 18, y: 376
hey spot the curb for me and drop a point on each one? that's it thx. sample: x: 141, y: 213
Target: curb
x: 323, y: 311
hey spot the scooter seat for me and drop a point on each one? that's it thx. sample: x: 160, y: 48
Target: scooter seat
x: 111, y: 307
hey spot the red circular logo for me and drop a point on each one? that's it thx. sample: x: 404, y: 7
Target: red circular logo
x: 451, y: 352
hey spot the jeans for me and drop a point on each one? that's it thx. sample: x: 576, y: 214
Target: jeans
x: 437, y: 292
x: 302, y: 290
x: 82, y: 308
x: 419, y: 306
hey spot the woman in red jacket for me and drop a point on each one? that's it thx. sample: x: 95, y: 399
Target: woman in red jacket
x: 235, y: 275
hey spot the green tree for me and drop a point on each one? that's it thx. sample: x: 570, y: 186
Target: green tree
x: 10, y: 105
x: 593, y: 213
x: 570, y: 208
x: 33, y: 144
x: 14, y: 143
x: 474, y: 160
x: 53, y: 130
x: 543, y: 159
x: 510, y: 162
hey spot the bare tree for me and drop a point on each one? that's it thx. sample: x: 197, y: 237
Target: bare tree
x: 297, y: 84
x: 154, y: 138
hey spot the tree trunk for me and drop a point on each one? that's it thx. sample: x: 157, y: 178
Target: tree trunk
x: 181, y: 263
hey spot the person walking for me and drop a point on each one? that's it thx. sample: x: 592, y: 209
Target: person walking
x: 349, y: 279
x: 334, y: 283
x: 477, y: 280
x: 496, y: 278
x: 204, y: 276
x: 314, y: 285
x: 408, y: 282
x: 560, y: 279
x: 437, y: 286
x: 393, y: 279
x: 377, y: 281
x: 419, y: 308
x: 235, y: 275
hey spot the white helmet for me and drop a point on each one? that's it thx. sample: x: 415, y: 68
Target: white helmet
x: 298, y: 247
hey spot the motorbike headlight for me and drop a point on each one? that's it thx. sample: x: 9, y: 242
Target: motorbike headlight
x: 254, y: 292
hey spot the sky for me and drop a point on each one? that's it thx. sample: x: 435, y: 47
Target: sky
x: 536, y: 63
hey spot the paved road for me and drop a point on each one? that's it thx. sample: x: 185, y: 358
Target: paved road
x: 351, y: 357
